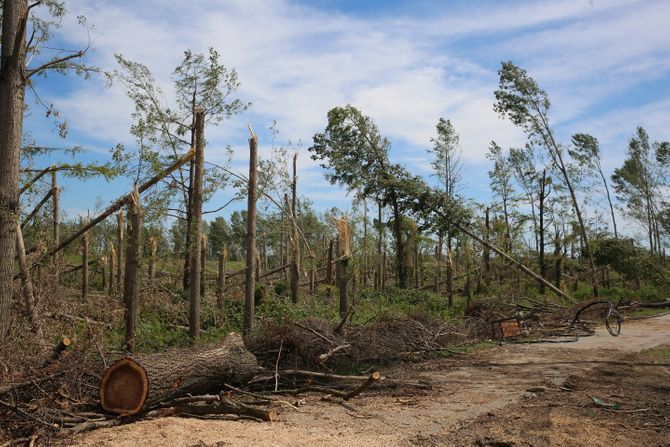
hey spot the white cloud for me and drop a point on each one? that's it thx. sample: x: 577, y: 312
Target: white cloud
x: 296, y: 62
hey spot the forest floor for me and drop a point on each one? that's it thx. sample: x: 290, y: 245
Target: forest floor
x: 511, y: 395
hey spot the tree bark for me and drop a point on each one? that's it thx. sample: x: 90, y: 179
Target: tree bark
x: 131, y: 286
x: 12, y: 94
x: 196, y: 226
x: 146, y: 381
x: 250, y: 283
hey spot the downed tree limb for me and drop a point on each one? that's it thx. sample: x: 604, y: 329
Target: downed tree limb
x: 220, y: 404
x: 323, y: 358
x: 37, y: 208
x: 122, y: 201
x: 374, y: 377
x: 146, y: 381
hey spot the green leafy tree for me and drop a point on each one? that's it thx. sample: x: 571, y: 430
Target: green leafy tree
x: 586, y: 152
x: 355, y: 155
x: 639, y: 183
x: 521, y: 99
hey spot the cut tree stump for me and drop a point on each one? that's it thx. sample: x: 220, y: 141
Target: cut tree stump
x: 145, y: 381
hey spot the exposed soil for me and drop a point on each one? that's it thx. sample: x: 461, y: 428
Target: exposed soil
x: 513, y: 395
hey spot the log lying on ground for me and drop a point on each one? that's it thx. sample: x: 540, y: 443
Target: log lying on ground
x: 145, y: 381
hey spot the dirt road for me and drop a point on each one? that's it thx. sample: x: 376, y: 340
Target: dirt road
x: 463, y: 389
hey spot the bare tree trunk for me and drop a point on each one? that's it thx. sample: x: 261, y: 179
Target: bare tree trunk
x: 112, y: 269
x: 329, y: 263
x: 119, y: 252
x: 153, y: 247
x: 103, y: 271
x: 366, y: 257
x: 295, y: 242
x: 341, y: 277
x: 250, y: 285
x: 84, y: 267
x: 416, y: 263
x: 312, y: 273
x: 55, y: 196
x: 436, y: 285
x: 196, y: 226
x: 203, y: 264
x: 543, y: 196
x: 221, y: 281
x: 401, y: 268
x: 383, y: 272
x: 12, y: 94
x: 26, y: 282
x: 380, y: 238
x: 131, y: 285
x: 450, y: 272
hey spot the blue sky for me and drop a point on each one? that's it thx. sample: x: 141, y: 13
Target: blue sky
x: 605, y: 65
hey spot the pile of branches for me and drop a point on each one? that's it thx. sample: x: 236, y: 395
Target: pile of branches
x: 316, y: 344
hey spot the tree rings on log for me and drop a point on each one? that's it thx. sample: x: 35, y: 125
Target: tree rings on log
x: 124, y: 387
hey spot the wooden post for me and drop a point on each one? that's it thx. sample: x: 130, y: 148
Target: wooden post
x: 203, y: 264
x: 55, y: 196
x: 84, y: 267
x: 250, y: 285
x: 112, y: 269
x: 221, y: 280
x: 131, y: 281
x: 196, y: 225
x: 119, y: 252
x: 153, y: 248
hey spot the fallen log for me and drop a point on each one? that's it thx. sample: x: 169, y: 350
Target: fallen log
x: 143, y: 382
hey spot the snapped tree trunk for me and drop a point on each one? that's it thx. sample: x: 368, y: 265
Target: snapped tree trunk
x: 341, y: 278
x: 250, y: 283
x: 131, y: 285
x: 142, y: 382
x: 84, y: 267
x: 196, y: 225
x: 12, y: 94
x: 295, y: 242
x: 26, y: 282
